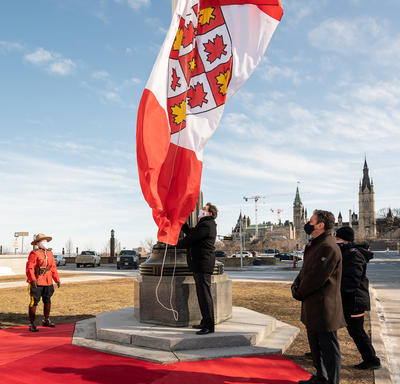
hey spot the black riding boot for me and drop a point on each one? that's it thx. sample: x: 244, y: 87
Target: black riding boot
x: 32, y: 315
x: 46, y: 312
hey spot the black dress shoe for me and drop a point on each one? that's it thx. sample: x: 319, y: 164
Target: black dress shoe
x: 313, y: 380
x: 48, y: 323
x: 198, y: 326
x: 204, y: 331
x: 32, y: 328
x: 369, y: 365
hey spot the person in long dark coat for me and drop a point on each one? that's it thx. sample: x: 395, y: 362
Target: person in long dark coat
x: 355, y: 294
x: 317, y: 286
x: 200, y: 241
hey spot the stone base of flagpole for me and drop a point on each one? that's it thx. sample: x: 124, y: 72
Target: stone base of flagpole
x: 179, y: 293
x: 177, y: 290
x: 247, y: 333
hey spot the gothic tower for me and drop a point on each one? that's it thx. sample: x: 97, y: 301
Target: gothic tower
x: 366, y: 203
x: 340, y: 220
x: 298, y: 215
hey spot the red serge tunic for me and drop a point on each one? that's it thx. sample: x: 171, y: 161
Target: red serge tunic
x: 41, y: 267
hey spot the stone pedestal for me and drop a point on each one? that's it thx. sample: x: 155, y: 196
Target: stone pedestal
x: 184, y: 300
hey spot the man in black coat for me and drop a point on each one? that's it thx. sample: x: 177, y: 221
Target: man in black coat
x: 355, y: 294
x: 317, y: 286
x: 200, y: 240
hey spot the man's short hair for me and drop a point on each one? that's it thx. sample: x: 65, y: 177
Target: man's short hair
x: 325, y: 217
x: 213, y: 209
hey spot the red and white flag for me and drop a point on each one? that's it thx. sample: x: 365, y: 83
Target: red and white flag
x: 211, y: 49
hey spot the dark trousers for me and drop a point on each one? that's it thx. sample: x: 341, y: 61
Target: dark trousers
x: 355, y: 327
x: 326, y: 356
x: 203, y: 290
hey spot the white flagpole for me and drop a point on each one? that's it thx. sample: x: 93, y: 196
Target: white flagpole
x: 174, y: 5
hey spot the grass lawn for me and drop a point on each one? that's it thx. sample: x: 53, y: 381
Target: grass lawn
x: 77, y: 301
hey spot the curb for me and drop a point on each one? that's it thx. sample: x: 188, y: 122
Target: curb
x: 382, y: 375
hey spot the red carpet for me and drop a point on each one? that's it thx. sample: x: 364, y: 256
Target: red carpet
x: 49, y: 358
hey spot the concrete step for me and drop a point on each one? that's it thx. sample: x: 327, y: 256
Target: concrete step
x: 276, y: 342
x: 245, y: 328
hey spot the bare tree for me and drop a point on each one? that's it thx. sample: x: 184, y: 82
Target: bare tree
x: 147, y: 244
x: 382, y: 213
x: 106, y: 249
x: 117, y: 246
x: 69, y: 246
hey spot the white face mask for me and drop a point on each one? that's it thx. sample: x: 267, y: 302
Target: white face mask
x: 43, y: 244
x: 202, y: 213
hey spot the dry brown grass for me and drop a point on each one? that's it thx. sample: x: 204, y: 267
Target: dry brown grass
x: 10, y: 279
x: 71, y: 303
x: 77, y: 301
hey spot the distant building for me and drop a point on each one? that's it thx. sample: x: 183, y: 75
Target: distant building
x: 299, y: 217
x: 365, y: 223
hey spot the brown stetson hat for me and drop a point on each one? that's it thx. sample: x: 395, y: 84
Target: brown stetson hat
x: 41, y: 237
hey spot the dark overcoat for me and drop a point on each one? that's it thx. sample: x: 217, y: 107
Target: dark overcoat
x: 318, y: 285
x: 354, y: 287
x: 200, y: 240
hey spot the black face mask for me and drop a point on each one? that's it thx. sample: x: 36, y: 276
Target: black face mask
x: 308, y: 228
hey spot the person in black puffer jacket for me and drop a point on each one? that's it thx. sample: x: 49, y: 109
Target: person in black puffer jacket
x: 200, y: 240
x: 355, y: 294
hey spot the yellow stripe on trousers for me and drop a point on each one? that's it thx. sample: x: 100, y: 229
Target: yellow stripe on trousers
x: 29, y: 293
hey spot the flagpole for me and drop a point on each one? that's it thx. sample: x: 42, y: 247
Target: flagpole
x: 174, y: 5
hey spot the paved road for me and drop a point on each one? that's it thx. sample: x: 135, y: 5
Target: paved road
x: 384, y: 275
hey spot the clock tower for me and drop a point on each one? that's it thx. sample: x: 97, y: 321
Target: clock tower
x: 298, y: 215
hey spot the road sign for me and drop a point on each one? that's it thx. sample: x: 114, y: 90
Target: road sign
x: 17, y: 234
x: 15, y: 244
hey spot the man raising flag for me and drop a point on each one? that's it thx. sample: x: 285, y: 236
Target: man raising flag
x: 211, y: 49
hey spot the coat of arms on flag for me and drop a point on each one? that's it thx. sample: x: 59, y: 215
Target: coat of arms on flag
x: 211, y: 49
x: 200, y: 65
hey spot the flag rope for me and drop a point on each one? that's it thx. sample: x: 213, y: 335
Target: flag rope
x: 174, y: 311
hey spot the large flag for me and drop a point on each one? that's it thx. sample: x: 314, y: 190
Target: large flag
x: 211, y: 49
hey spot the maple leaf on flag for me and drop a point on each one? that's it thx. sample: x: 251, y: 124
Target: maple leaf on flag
x: 188, y: 35
x: 197, y: 96
x: 178, y: 40
x: 179, y: 112
x: 223, y: 81
x: 215, y: 49
x: 175, y: 80
x: 206, y: 15
x: 192, y: 64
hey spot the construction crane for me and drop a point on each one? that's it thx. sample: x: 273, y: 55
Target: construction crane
x: 255, y: 198
x: 278, y: 212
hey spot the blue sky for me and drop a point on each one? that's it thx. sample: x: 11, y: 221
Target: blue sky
x: 71, y: 76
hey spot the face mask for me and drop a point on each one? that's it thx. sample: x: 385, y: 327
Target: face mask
x: 42, y: 244
x: 308, y: 228
x: 202, y: 213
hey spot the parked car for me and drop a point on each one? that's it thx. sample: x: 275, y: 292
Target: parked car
x: 244, y: 254
x: 220, y: 253
x: 87, y: 258
x: 287, y: 256
x: 128, y: 258
x: 272, y: 252
x: 59, y: 259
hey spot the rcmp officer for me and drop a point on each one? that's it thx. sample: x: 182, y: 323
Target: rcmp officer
x: 41, y: 270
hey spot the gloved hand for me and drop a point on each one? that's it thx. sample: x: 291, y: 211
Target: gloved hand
x: 34, y: 284
x: 295, y: 294
x: 58, y: 284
